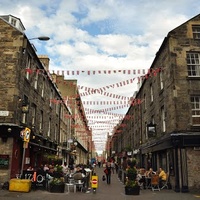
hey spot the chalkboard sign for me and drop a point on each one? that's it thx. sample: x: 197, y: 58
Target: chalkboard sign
x: 4, y: 161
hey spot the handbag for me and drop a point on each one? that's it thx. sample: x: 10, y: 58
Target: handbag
x: 105, y: 171
x: 103, y: 178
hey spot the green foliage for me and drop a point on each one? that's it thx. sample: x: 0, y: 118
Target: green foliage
x: 132, y: 171
x: 131, y: 174
x: 131, y: 183
x: 132, y: 163
x: 58, y: 168
x: 57, y: 181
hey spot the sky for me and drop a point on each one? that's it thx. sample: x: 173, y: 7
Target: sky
x: 105, y: 43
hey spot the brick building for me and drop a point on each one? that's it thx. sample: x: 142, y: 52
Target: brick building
x: 81, y: 132
x: 163, y: 130
x: 26, y: 94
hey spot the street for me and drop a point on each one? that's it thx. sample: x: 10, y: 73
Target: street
x: 114, y: 191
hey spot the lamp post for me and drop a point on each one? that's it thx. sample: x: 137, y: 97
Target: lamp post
x: 43, y: 38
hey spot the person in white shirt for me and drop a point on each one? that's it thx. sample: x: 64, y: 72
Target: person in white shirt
x: 64, y: 168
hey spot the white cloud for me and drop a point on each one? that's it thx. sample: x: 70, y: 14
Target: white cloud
x: 100, y: 35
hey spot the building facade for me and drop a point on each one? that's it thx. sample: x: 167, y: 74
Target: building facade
x: 165, y: 128
x: 30, y: 122
x: 82, y: 135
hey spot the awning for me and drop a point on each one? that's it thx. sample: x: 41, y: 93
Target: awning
x: 42, y: 146
x: 189, y: 139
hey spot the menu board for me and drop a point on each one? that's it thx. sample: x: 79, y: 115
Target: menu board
x: 4, y: 161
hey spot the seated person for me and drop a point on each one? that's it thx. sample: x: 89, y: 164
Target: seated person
x: 78, y: 175
x: 150, y: 172
x: 141, y: 180
x: 162, y: 176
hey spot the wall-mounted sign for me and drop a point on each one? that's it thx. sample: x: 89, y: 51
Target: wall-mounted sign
x: 4, y: 161
x: 39, y: 180
x: 4, y: 113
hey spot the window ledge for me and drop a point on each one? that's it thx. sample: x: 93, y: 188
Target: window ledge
x: 193, y: 78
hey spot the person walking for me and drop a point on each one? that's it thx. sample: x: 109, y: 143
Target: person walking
x: 116, y: 167
x: 113, y: 167
x: 107, y: 171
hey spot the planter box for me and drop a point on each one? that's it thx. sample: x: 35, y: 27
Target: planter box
x: 20, y: 185
x: 132, y: 190
x: 57, y: 188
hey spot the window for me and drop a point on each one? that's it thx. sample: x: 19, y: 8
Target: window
x: 56, y: 132
x: 163, y: 119
x: 195, y: 101
x: 145, y: 102
x: 13, y: 21
x: 41, y: 121
x: 43, y: 87
x: 51, y: 98
x: 196, y: 31
x: 49, y: 128
x: 151, y: 90
x: 28, y: 67
x: 146, y: 131
x: 24, y: 116
x: 33, y: 114
x: 36, y: 79
x: 193, y: 66
x: 161, y: 79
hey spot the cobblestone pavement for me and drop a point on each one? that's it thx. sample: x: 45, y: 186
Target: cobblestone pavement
x: 114, y: 191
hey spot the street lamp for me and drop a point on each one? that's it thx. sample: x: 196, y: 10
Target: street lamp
x: 43, y: 38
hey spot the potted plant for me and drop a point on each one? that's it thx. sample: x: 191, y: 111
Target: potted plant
x: 131, y: 186
x: 57, y: 184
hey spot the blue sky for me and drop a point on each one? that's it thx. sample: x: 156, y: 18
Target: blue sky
x: 100, y: 35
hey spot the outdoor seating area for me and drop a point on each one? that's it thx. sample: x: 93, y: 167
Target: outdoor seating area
x: 149, y: 179
x: 55, y: 178
x: 74, y: 184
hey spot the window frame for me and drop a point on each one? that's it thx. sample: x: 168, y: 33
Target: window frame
x: 193, y: 64
x: 195, y: 107
x: 163, y: 119
x: 151, y: 93
x: 196, y: 32
x: 28, y: 67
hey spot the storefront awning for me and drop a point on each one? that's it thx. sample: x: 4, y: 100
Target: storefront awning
x: 42, y: 146
x: 181, y: 140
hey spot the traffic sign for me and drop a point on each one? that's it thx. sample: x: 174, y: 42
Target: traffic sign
x: 27, y: 133
x: 94, y: 181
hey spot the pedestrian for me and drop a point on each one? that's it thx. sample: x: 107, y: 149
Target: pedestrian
x: 99, y: 164
x: 107, y: 171
x: 116, y: 167
x: 113, y: 167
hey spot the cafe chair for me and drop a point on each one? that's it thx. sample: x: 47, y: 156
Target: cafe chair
x: 165, y: 183
x: 70, y: 184
x: 79, y: 185
x: 155, y: 183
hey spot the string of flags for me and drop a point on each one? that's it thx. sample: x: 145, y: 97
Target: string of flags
x: 87, y: 72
